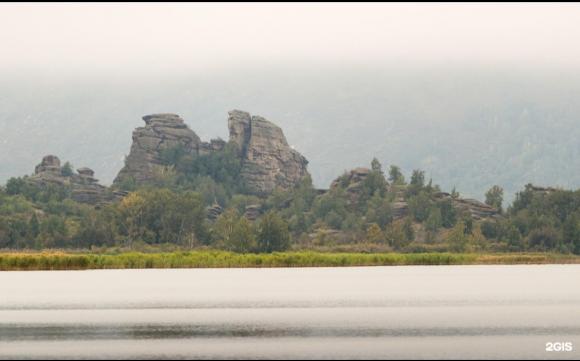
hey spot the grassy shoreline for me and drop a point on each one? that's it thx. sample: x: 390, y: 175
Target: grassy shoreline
x: 28, y: 261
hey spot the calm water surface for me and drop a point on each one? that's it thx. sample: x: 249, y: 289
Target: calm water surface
x: 376, y: 312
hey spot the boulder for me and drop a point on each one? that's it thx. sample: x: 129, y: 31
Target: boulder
x: 86, y: 172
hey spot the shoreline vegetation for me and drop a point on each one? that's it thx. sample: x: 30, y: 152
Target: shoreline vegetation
x: 65, y: 260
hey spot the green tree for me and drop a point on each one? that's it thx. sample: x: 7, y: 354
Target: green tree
x: 375, y: 234
x: 396, y: 176
x: 448, y: 213
x: 235, y: 232
x: 395, y: 235
x: 544, y: 238
x: 273, y: 234
x: 375, y: 182
x: 571, y: 232
x: 243, y: 238
x: 408, y: 230
x: 376, y: 166
x: 454, y: 193
x: 457, y: 238
x: 53, y: 232
x: 15, y: 186
x: 67, y: 170
x: 417, y: 182
x: 163, y: 216
x: 434, y: 220
x: 33, y: 227
x: 494, y: 197
x: 99, y: 227
x: 513, y: 237
x: 379, y: 211
x: 419, y: 206
x: 127, y: 183
x: 490, y: 229
x: 224, y: 226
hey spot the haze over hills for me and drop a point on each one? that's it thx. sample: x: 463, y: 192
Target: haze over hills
x: 469, y: 128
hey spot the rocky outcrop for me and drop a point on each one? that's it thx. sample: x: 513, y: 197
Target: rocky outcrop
x: 214, y: 211
x: 268, y: 162
x: 541, y: 190
x: 83, y: 187
x: 252, y: 212
x: 50, y: 164
x: 478, y: 210
x: 400, y: 206
x: 161, y: 132
x: 239, y: 125
x: 352, y: 182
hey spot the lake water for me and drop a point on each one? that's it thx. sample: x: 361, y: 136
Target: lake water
x: 375, y: 312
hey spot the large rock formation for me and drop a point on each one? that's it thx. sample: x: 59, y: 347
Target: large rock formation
x: 161, y: 132
x: 83, y: 187
x: 267, y: 160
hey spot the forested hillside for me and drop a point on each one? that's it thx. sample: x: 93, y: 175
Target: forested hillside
x: 201, y: 202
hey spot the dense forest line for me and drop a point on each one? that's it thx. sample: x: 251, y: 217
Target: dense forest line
x: 174, y: 212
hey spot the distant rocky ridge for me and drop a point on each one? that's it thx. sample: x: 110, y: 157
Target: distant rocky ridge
x: 83, y: 186
x: 268, y: 162
x: 352, y: 182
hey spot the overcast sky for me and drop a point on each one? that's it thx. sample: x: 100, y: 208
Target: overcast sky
x: 184, y: 37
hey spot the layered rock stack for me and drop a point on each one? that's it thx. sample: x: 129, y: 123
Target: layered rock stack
x: 252, y: 212
x: 478, y: 210
x: 541, y: 190
x: 268, y: 162
x: 50, y: 164
x: 214, y: 211
x: 400, y: 205
x: 161, y: 132
x: 84, y: 188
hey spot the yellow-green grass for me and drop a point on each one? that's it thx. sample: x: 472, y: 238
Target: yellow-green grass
x: 218, y: 259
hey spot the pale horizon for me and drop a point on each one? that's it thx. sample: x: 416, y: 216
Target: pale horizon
x: 133, y: 39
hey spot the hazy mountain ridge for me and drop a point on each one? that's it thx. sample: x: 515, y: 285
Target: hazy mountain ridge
x: 465, y: 128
